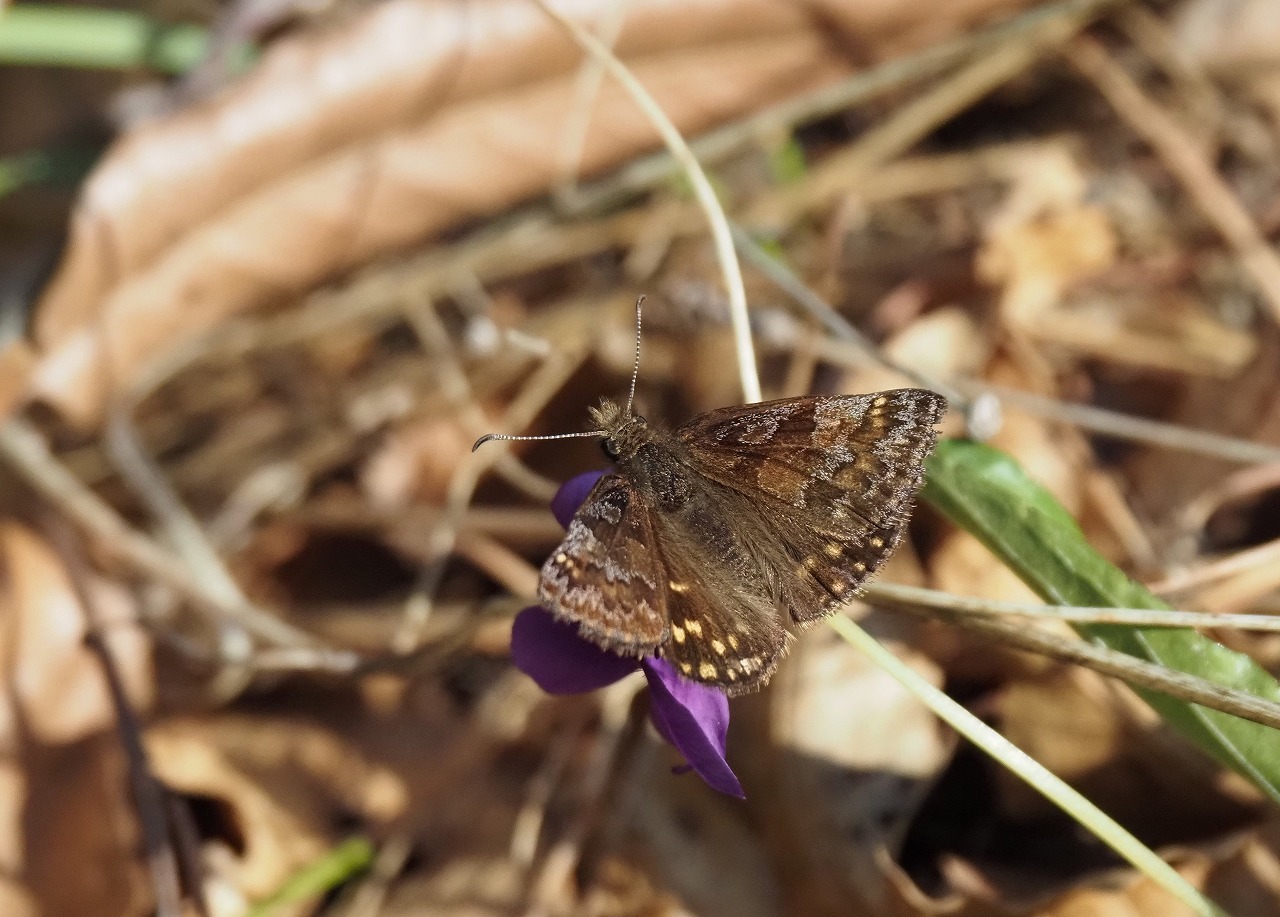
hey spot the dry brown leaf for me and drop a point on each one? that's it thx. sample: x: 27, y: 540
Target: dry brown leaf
x: 56, y: 689
x: 82, y: 842
x: 341, y: 148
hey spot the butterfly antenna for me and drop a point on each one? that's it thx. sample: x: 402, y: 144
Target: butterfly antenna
x: 635, y: 369
x: 503, y: 436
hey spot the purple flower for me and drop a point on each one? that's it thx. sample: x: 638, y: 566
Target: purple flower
x: 692, y: 717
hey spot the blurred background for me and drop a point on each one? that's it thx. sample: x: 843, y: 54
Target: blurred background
x: 269, y: 267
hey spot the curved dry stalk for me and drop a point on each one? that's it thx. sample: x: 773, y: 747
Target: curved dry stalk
x: 725, y: 256
x: 1120, y: 665
x: 890, y: 594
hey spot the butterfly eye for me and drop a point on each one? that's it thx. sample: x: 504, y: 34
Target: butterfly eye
x: 609, y: 451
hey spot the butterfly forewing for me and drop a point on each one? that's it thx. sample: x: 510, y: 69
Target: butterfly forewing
x: 835, y: 475
x: 607, y: 575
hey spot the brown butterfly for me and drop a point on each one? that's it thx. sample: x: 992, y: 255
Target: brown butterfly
x: 707, y: 542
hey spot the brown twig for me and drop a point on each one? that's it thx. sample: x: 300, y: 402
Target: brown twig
x: 1137, y: 672
x: 188, y: 539
x: 456, y: 389
x: 1245, y: 562
x: 148, y: 793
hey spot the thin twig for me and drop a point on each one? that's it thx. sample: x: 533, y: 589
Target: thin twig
x: 1266, y: 554
x: 148, y: 794
x: 706, y: 195
x: 586, y: 90
x: 189, y: 540
x: 1127, y: 426
x: 454, y: 385
x: 526, y: 830
x: 1181, y: 154
x: 895, y: 595
x: 616, y: 704
x: 786, y: 280
x: 1131, y: 669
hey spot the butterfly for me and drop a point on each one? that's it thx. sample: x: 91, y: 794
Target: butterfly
x: 706, y: 545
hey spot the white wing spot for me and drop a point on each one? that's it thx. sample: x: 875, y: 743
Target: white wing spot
x: 718, y: 646
x: 677, y: 587
x: 707, y: 670
x: 687, y: 668
x: 693, y: 627
x: 677, y: 633
x: 833, y: 550
x: 876, y: 541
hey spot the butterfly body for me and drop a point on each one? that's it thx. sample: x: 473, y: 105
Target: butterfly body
x: 708, y: 542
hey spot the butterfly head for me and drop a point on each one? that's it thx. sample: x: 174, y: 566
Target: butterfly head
x: 624, y: 433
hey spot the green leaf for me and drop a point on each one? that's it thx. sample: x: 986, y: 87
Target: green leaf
x: 987, y: 493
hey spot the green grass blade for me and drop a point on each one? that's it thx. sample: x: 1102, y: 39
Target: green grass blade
x: 339, y: 865
x: 988, y: 494
x: 48, y: 35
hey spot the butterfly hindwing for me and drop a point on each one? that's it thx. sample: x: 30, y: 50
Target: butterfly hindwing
x: 725, y: 629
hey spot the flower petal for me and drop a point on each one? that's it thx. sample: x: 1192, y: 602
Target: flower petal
x: 695, y: 719
x: 571, y: 494
x: 561, y: 662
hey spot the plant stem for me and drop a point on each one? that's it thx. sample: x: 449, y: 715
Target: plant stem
x: 1101, y: 825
